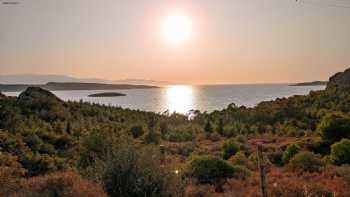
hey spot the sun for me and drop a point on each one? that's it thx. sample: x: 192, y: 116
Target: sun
x: 177, y: 28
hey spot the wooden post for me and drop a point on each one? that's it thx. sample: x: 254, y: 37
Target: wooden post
x: 261, y: 170
x: 162, y: 153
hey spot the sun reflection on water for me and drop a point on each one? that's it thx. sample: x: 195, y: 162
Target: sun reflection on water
x: 179, y: 98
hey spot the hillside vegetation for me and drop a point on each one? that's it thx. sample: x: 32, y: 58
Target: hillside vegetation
x: 48, y: 146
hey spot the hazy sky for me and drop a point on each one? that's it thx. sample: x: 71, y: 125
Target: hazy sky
x: 232, y: 41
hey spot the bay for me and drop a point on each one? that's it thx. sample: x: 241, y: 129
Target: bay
x: 183, y: 98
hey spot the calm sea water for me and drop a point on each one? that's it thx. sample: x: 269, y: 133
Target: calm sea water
x: 184, y: 98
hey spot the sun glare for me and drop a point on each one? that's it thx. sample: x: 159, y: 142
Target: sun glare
x: 179, y: 98
x: 177, y: 28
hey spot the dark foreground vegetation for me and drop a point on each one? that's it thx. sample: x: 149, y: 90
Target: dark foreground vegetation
x: 53, y: 148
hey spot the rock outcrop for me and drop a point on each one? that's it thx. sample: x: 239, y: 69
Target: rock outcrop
x: 2, y: 95
x: 44, y: 104
x: 37, y: 93
x: 340, y: 80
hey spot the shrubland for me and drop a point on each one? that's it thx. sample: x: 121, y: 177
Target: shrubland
x: 49, y: 146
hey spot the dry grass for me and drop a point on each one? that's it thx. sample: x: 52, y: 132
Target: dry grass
x: 63, y: 184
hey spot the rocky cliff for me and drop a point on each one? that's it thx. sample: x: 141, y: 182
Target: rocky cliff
x: 340, y: 80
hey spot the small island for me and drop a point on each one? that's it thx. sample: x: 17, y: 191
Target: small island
x: 107, y: 94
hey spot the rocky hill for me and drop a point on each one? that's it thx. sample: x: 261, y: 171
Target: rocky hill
x: 37, y: 93
x: 2, y: 95
x: 340, y: 80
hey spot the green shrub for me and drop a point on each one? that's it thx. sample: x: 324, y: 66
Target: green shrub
x: 241, y: 139
x: 163, y: 129
x: 47, y: 148
x: 220, y: 127
x: 239, y: 159
x: 208, y: 128
x: 137, y: 131
x: 254, y: 162
x: 230, y: 148
x: 184, y: 149
x: 340, y: 152
x: 315, y: 145
x: 33, y: 141
x: 276, y: 157
x: 93, y: 147
x: 151, y: 137
x: 290, y: 151
x: 306, y: 161
x: 130, y: 170
x: 208, y: 170
x: 241, y: 172
x: 179, y: 136
x: 334, y: 127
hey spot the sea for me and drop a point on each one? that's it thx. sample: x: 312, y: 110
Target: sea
x: 183, y: 98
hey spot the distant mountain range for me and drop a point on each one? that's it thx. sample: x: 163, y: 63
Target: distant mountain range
x: 58, y: 86
x: 43, y: 79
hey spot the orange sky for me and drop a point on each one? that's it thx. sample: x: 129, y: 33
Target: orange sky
x: 233, y: 41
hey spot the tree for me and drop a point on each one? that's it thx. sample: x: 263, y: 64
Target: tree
x: 151, y: 137
x: 340, y: 152
x: 131, y: 171
x: 208, y: 127
x: 230, y: 148
x: 306, y: 161
x: 220, y: 128
x: 290, y: 151
x: 209, y: 170
x: 334, y: 127
x: 137, y: 131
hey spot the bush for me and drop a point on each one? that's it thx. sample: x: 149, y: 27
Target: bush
x: 183, y: 149
x: 127, y: 169
x: 276, y: 157
x: 137, y: 131
x: 241, y: 172
x: 214, y: 137
x: 230, y: 148
x: 334, y: 127
x: 239, y: 159
x: 208, y: 170
x: 306, y: 161
x: 241, y: 139
x: 134, y: 171
x: 151, y: 137
x: 208, y: 128
x: 340, y: 152
x: 63, y: 184
x: 179, y: 136
x: 290, y: 151
x: 254, y: 162
x: 343, y: 171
